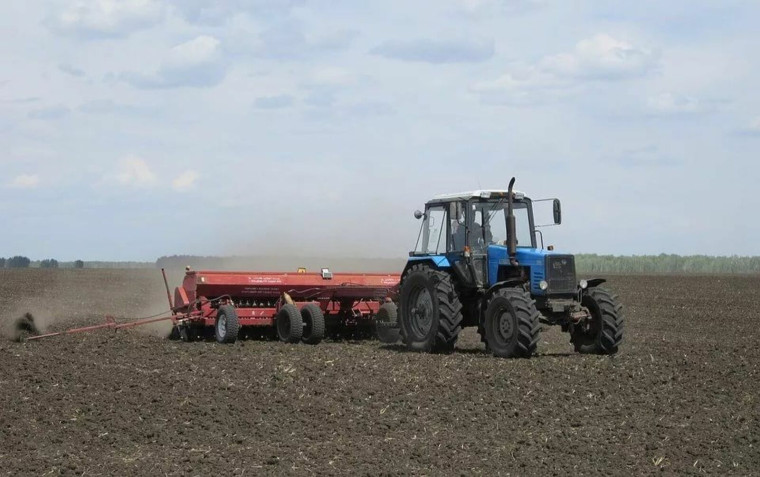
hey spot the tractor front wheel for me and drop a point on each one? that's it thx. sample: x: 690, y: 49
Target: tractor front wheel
x: 227, y: 324
x: 511, y: 324
x: 431, y: 313
x: 602, y: 332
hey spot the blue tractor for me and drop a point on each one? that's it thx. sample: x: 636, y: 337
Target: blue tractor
x: 477, y: 263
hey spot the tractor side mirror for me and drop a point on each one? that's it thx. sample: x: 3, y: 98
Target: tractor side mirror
x: 418, y: 215
x: 557, y: 212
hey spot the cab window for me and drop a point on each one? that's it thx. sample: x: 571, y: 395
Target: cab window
x: 434, y: 231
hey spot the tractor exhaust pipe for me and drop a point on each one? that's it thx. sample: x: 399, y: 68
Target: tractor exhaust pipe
x: 511, y: 227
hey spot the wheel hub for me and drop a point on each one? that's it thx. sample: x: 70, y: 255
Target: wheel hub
x: 422, y: 312
x: 506, y: 327
x: 221, y: 325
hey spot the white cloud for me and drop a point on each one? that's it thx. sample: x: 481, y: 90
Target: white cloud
x: 134, y: 171
x: 215, y: 12
x: 602, y: 57
x: 291, y: 38
x: 291, y: 41
x: 437, y: 51
x: 521, y: 85
x: 185, y: 181
x: 106, y: 18
x: 673, y: 104
x: 195, y: 63
x: 199, y: 50
x: 25, y: 181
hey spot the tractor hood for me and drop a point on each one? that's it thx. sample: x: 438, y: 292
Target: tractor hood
x: 527, y: 257
x: 557, y: 268
x: 534, y: 256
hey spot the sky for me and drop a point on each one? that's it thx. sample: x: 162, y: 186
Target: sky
x: 131, y: 129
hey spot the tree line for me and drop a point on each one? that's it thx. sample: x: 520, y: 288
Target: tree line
x: 666, y: 264
x: 20, y: 261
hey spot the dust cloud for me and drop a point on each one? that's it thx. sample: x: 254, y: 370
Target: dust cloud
x: 25, y: 312
x: 66, y: 298
x: 278, y: 244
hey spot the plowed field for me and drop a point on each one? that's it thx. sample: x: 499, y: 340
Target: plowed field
x: 682, y: 396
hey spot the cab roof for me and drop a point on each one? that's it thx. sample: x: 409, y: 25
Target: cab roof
x: 476, y: 194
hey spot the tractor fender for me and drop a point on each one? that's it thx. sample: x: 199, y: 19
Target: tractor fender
x: 434, y: 262
x: 511, y: 283
x: 595, y: 282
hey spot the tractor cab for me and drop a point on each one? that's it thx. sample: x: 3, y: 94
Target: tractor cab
x: 469, y: 230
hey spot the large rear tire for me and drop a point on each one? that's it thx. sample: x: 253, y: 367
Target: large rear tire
x: 511, y: 324
x: 431, y: 313
x: 289, y: 324
x: 386, y: 323
x: 313, y: 323
x: 603, y: 332
x: 227, y: 324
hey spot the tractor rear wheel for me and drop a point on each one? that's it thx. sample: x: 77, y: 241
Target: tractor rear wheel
x: 313, y: 323
x: 603, y: 332
x: 227, y: 324
x: 511, y: 324
x: 386, y: 323
x: 289, y: 324
x: 431, y: 313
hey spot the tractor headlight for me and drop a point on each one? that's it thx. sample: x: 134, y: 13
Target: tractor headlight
x: 584, y: 284
x: 543, y: 285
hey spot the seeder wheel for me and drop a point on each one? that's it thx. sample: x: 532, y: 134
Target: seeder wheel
x: 289, y: 324
x: 187, y: 333
x: 313, y: 323
x: 386, y: 323
x: 227, y: 324
x: 174, y: 333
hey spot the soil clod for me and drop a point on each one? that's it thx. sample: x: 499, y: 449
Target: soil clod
x: 25, y: 327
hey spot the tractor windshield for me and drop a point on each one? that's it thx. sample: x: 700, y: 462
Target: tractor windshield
x: 493, y: 217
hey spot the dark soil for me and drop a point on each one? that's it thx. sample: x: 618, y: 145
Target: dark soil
x: 682, y: 396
